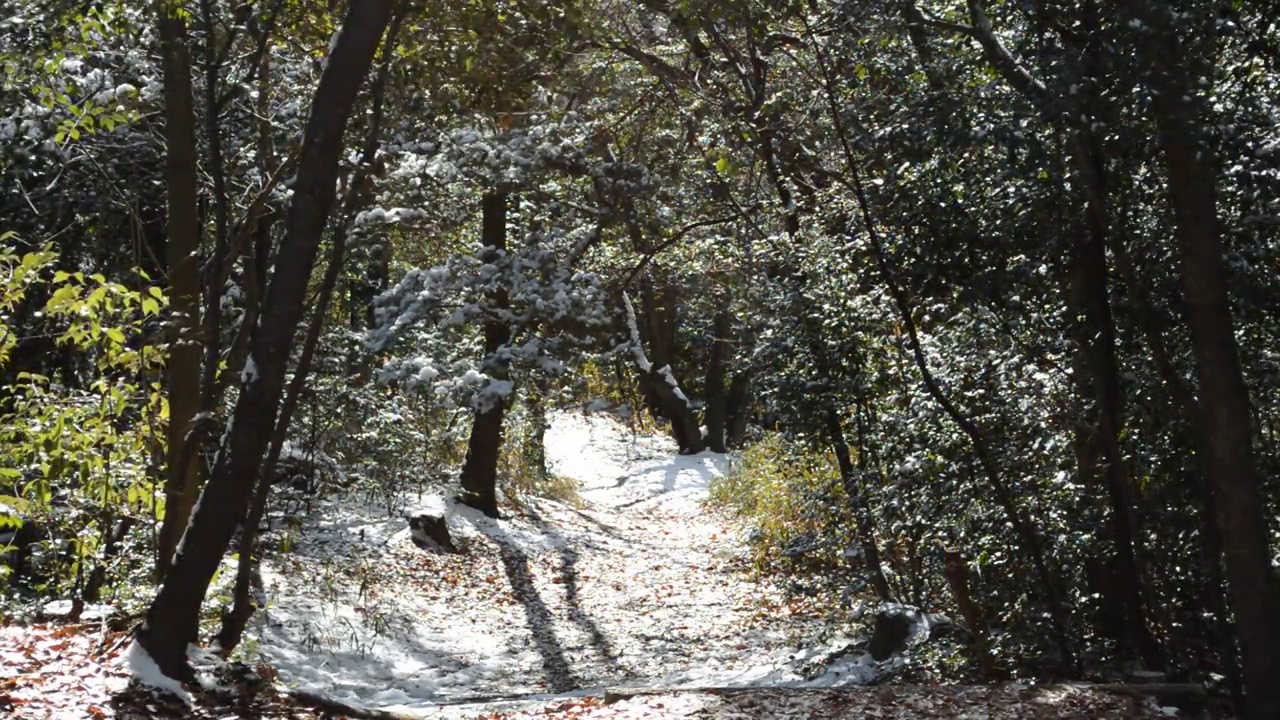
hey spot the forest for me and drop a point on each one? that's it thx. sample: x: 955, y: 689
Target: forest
x: 968, y: 307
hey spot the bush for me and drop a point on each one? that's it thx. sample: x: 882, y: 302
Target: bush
x: 793, y: 499
x: 75, y: 453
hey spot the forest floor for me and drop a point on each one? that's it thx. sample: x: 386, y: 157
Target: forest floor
x: 634, y: 602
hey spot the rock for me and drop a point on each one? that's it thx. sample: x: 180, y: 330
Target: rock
x: 897, y: 627
x: 892, y: 630
x: 801, y: 545
x: 430, y: 531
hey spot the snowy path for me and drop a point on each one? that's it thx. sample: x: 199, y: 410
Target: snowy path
x: 641, y: 587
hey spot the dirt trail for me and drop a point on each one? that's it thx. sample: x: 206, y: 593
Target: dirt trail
x: 639, y: 586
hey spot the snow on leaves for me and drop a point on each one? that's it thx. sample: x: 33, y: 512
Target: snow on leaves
x: 550, y: 309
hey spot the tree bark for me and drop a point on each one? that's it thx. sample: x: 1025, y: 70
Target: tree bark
x: 1028, y: 535
x: 739, y: 409
x: 660, y: 383
x: 237, y: 618
x: 857, y: 503
x: 716, y: 414
x: 181, y: 178
x: 173, y: 618
x: 1227, y: 428
x: 480, y: 469
x: 1097, y: 340
x: 956, y: 570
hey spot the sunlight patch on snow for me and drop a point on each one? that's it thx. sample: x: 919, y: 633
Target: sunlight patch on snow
x: 616, y: 468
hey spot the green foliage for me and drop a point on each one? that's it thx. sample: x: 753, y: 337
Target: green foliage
x: 76, y: 460
x: 791, y: 497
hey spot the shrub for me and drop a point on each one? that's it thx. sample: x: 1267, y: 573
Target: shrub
x: 75, y: 460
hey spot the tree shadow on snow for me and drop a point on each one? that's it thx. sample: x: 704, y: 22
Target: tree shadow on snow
x: 569, y: 573
x: 670, y: 479
x: 555, y: 666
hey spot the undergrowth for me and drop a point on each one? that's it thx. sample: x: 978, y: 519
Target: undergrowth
x: 794, y: 503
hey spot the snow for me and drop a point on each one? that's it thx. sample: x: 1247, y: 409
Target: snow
x: 250, y: 373
x: 640, y: 586
x: 146, y: 673
x: 641, y: 360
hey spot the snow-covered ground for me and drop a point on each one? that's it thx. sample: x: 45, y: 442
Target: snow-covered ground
x: 642, y: 587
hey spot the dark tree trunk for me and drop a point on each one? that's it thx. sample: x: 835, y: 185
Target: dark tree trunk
x: 1028, y: 534
x: 684, y: 426
x: 173, y: 618
x: 660, y: 384
x: 1185, y: 402
x: 659, y: 380
x: 110, y: 549
x: 1097, y: 340
x: 717, y: 402
x: 956, y: 570
x: 237, y: 618
x: 535, y: 403
x: 849, y: 478
x: 1224, y: 397
x: 739, y: 409
x: 480, y: 469
x: 181, y: 178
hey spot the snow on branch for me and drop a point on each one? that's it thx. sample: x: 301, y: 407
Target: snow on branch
x: 636, y: 346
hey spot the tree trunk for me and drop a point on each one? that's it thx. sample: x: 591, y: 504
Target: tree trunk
x: 480, y: 469
x: 173, y: 618
x: 956, y: 571
x: 237, y: 618
x: 660, y: 383
x: 536, y: 404
x: 739, y: 409
x: 183, y: 478
x: 1184, y: 401
x: 857, y: 504
x: 1097, y: 340
x: 1028, y: 534
x: 1224, y: 397
x: 716, y: 400
x: 659, y: 380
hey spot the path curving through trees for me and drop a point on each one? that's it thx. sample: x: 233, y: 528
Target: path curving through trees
x: 637, y: 594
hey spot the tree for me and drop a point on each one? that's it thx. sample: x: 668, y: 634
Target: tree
x: 480, y: 469
x: 183, y: 483
x: 173, y: 618
x: 1175, y: 66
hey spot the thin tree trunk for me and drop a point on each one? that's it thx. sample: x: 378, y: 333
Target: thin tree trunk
x: 716, y: 400
x: 956, y: 571
x: 173, y: 618
x: 850, y: 481
x: 110, y: 549
x: 1185, y: 402
x: 739, y: 409
x: 237, y: 618
x: 1099, y: 344
x: 536, y: 404
x: 1028, y: 536
x: 660, y: 383
x: 183, y: 481
x: 480, y: 469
